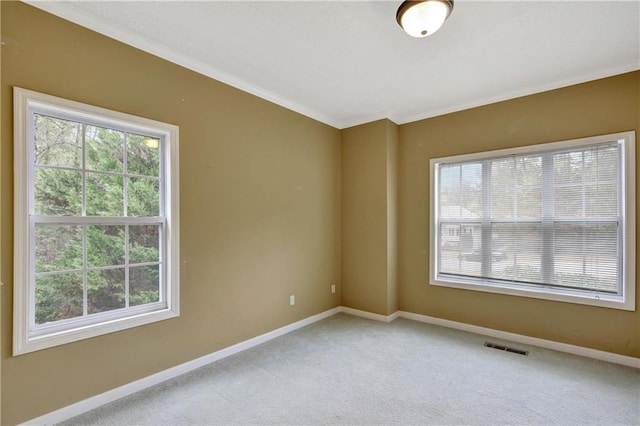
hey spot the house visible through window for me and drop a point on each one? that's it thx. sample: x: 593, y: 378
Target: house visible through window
x: 553, y: 221
x: 96, y: 221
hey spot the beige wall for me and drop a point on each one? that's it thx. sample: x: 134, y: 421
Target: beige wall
x: 392, y: 217
x: 1, y: 282
x: 369, y: 168
x: 269, y: 199
x: 260, y: 210
x: 599, y: 107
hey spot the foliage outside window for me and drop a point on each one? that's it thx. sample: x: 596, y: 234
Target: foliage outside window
x: 553, y: 221
x: 96, y: 221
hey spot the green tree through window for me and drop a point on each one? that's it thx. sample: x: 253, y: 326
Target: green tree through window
x: 92, y: 268
x: 96, y: 223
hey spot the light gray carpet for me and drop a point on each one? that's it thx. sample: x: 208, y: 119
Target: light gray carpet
x: 348, y: 370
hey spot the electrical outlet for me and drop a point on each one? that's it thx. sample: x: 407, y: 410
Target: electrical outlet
x: 333, y: 288
x: 292, y: 300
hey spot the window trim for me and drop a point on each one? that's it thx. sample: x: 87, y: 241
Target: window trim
x: 24, y: 341
x: 626, y: 301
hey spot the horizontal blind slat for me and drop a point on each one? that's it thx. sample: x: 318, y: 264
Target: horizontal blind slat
x: 582, y: 231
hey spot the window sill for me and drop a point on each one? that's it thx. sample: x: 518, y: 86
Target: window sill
x: 546, y: 293
x: 26, y: 344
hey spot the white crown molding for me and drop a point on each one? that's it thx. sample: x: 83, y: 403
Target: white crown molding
x: 67, y: 11
x: 524, y: 91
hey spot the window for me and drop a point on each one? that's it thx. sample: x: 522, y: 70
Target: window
x: 553, y: 221
x: 96, y: 221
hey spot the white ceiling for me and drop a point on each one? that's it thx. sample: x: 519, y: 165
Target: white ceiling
x: 348, y: 62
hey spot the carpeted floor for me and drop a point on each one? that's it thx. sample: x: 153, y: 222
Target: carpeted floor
x: 348, y: 370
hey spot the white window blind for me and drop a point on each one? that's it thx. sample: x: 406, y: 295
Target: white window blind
x: 551, y: 220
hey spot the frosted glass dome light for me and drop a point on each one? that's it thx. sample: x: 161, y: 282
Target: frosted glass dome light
x: 423, y: 18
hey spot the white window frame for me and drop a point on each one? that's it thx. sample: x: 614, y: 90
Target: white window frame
x: 26, y: 338
x: 624, y: 301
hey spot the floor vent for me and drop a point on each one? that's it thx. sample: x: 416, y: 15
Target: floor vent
x: 505, y: 348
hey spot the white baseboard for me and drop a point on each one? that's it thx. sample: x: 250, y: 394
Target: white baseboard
x: 519, y: 338
x: 88, y: 404
x: 369, y: 315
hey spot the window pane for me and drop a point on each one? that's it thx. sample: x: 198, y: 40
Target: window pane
x: 57, y: 192
x: 144, y: 285
x: 600, y: 164
x: 144, y: 243
x: 104, y: 195
x: 516, y: 187
x: 105, y: 290
x: 143, y: 155
x: 104, y: 149
x: 529, y: 170
x: 57, y: 142
x: 607, y: 164
x: 462, y: 255
x: 601, y: 200
x: 529, y: 186
x: 450, y: 236
x: 567, y: 168
x: 105, y: 245
x: 586, y: 256
x: 471, y: 191
x: 568, y: 202
x: 143, y: 197
x: 529, y: 202
x: 503, y: 188
x: 586, y: 183
x: 58, y: 247
x: 58, y: 297
x: 460, y: 191
x: 449, y: 192
x: 517, y: 252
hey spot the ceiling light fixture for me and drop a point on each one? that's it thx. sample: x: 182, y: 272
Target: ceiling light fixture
x: 423, y: 18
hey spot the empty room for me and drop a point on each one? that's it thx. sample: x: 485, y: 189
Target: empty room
x: 319, y: 212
